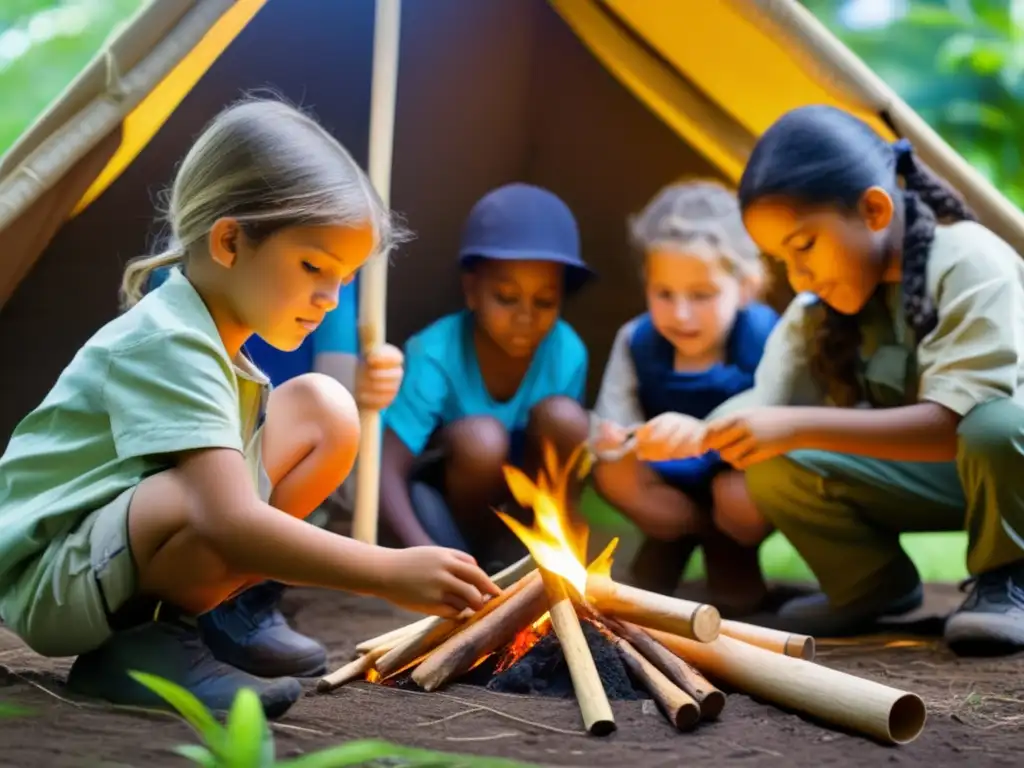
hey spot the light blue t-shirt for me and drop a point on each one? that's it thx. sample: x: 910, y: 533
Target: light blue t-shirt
x: 443, y: 383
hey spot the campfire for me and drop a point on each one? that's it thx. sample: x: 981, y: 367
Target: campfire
x: 667, y: 645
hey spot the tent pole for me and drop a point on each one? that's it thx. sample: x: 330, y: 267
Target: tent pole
x: 373, y: 279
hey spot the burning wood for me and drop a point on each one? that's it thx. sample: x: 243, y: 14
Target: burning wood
x: 459, y: 653
x: 662, y: 641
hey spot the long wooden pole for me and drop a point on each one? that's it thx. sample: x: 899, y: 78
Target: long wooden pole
x: 373, y: 279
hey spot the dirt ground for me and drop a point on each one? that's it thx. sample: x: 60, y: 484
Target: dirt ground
x: 974, y: 708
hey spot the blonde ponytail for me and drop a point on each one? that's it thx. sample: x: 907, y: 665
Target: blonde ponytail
x: 138, y: 271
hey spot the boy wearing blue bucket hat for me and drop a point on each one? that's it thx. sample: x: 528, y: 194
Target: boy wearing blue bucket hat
x: 489, y: 384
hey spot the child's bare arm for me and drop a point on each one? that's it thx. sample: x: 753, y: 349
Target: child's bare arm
x: 253, y: 537
x: 395, y: 503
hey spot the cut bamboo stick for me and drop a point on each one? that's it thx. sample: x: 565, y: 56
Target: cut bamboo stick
x: 693, y: 683
x: 884, y: 713
x: 797, y: 646
x: 354, y: 670
x: 415, y: 646
x: 460, y: 651
x: 503, y: 578
x: 586, y: 683
x: 677, y: 705
x: 649, y: 609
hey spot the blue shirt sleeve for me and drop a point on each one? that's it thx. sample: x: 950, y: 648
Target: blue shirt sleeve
x: 339, y: 331
x: 418, y: 407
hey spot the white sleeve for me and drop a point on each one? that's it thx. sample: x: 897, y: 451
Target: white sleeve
x: 618, y: 399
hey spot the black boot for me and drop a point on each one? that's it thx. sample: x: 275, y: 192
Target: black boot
x: 249, y: 632
x: 171, y: 648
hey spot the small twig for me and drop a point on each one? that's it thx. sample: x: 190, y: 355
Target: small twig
x: 450, y: 717
x: 747, y: 748
x: 498, y: 712
x: 502, y: 735
x: 145, y: 710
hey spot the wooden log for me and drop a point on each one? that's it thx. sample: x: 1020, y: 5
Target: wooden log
x: 460, y: 651
x: 693, y: 683
x: 503, y: 578
x: 586, y: 683
x: 797, y: 646
x: 887, y: 714
x: 414, y: 647
x: 677, y: 705
x: 670, y: 614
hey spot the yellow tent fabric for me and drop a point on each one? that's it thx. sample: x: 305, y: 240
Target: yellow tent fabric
x: 145, y: 120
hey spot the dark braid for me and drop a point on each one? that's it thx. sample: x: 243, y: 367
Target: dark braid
x: 823, y: 156
x: 927, y: 200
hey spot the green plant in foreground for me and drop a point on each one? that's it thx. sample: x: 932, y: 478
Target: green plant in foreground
x: 245, y: 740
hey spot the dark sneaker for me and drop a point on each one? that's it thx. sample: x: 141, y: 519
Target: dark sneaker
x: 172, y: 650
x: 814, y: 615
x: 991, y: 620
x: 249, y: 632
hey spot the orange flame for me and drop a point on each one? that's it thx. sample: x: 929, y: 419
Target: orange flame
x: 557, y: 542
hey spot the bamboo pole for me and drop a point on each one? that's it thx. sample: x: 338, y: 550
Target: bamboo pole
x: 887, y: 714
x: 710, y: 699
x: 373, y: 279
x: 461, y: 650
x: 649, y: 609
x: 677, y: 705
x: 586, y: 682
x: 503, y: 578
x: 797, y: 646
x: 354, y: 670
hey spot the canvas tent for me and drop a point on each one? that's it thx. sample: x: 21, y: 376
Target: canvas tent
x: 602, y: 101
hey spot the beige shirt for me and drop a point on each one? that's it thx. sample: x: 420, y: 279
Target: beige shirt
x: 973, y: 355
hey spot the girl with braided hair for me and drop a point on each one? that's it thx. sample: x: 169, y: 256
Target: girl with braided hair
x: 889, y: 396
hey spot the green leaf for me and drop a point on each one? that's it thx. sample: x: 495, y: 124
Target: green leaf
x: 249, y: 743
x: 198, y: 755
x: 187, y: 705
x: 14, y: 710
x: 372, y: 752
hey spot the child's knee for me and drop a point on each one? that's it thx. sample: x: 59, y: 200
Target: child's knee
x: 321, y: 407
x: 477, y: 443
x: 991, y: 436
x: 559, y: 418
x: 734, y: 512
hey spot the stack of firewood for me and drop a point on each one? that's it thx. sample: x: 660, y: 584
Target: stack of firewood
x: 668, y: 645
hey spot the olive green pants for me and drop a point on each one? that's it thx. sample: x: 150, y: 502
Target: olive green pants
x: 844, y: 513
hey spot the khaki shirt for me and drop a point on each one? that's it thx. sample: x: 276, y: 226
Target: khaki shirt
x: 973, y: 355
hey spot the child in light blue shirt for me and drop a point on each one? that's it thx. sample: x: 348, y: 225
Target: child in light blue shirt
x: 488, y: 385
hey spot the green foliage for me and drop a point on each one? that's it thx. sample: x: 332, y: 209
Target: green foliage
x: 247, y: 742
x: 960, y: 65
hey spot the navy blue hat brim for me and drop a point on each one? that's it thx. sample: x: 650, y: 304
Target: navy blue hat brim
x: 577, y: 273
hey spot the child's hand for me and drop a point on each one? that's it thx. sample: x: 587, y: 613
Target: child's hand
x: 379, y: 377
x: 753, y: 436
x: 610, y: 437
x: 437, y: 580
x: 670, y: 436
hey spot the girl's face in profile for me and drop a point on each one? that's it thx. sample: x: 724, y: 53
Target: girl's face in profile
x: 841, y: 256
x: 282, y: 287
